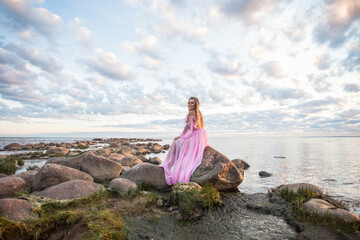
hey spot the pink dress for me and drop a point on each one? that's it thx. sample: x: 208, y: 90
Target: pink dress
x: 185, y: 154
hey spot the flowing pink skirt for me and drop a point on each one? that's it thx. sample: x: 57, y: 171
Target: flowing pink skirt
x: 184, y: 157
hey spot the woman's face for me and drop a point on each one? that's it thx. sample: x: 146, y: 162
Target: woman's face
x: 191, y: 104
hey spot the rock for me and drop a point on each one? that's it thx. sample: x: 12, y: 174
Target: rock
x: 2, y: 175
x: 156, y: 148
x: 147, y: 173
x: 122, y: 185
x: 125, y: 142
x: 114, y: 145
x: 2, y: 157
x: 322, y: 208
x: 10, y: 185
x: 28, y: 147
x: 103, y: 152
x: 116, y: 157
x: 100, y: 168
x: 57, y: 150
x: 264, y: 174
x: 238, y: 163
x: 296, y: 186
x: 155, y: 160
x: 12, y: 146
x: 144, y: 159
x: 217, y: 170
x: 166, y: 146
x: 130, y: 161
x: 124, y: 169
x: 15, y: 209
x: 29, y: 177
x: 73, y: 162
x: 54, y: 174
x: 127, y: 151
x: 242, y: 162
x: 70, y: 190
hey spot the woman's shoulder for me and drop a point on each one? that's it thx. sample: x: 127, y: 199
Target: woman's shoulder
x: 191, y: 113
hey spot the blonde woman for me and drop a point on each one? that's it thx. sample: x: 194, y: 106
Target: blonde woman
x: 186, y: 151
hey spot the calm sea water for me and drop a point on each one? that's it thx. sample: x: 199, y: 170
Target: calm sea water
x: 332, y: 163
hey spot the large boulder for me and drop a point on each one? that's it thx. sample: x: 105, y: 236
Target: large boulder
x: 127, y: 151
x: 324, y: 208
x: 217, y: 170
x: 13, y: 146
x: 29, y: 177
x: 73, y: 162
x: 146, y: 173
x: 295, y: 187
x: 57, y: 150
x: 100, y: 168
x: 156, y: 148
x: 15, y: 209
x: 114, y: 145
x: 10, y: 185
x: 122, y: 185
x: 130, y: 161
x: 53, y: 174
x: 70, y: 190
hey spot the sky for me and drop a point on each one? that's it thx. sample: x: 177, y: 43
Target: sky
x: 124, y: 68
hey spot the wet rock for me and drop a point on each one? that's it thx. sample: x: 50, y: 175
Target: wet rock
x: 54, y: 174
x: 122, y: 185
x: 240, y: 162
x: 15, y: 209
x: 100, y: 168
x: 264, y: 174
x: 166, y: 146
x: 57, y: 150
x: 28, y: 147
x: 10, y: 185
x: 147, y: 173
x: 70, y: 190
x: 296, y: 186
x: 155, y: 160
x: 323, y: 208
x: 130, y: 161
x: 218, y: 170
x: 12, y: 146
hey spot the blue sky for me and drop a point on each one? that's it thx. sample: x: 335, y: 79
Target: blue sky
x: 128, y: 67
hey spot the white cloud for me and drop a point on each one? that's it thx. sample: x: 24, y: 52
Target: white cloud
x: 82, y: 34
x: 108, y: 65
x: 23, y: 16
x: 274, y: 69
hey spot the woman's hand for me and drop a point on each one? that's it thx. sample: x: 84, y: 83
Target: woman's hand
x: 176, y: 138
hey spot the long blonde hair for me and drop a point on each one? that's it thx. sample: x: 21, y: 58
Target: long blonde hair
x: 199, y: 121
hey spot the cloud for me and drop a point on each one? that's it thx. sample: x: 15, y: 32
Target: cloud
x: 335, y: 28
x: 319, y: 103
x: 352, y: 87
x: 22, y: 16
x: 250, y: 11
x: 108, y: 65
x: 274, y: 69
x: 224, y: 66
x: 82, y: 34
x: 36, y: 57
x: 323, y: 61
x: 319, y: 82
x: 147, y: 48
x: 352, y: 61
x: 278, y: 93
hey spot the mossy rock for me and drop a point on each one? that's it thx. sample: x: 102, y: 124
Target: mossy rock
x: 8, y: 165
x: 193, y: 200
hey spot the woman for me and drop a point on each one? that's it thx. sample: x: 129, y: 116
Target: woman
x: 186, y: 151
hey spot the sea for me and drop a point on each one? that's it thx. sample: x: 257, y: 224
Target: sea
x: 332, y: 163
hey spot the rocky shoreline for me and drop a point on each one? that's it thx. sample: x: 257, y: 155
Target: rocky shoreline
x: 130, y: 187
